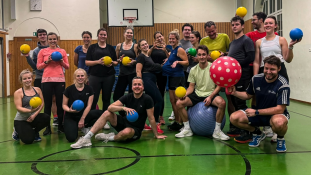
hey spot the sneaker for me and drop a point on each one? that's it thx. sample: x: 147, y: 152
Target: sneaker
x: 172, y: 117
x: 233, y: 132
x: 147, y: 128
x: 37, y: 137
x: 104, y: 137
x: 85, y: 130
x: 55, y: 121
x: 47, y: 131
x: 175, y: 126
x: 220, y: 135
x: 274, y: 138
x: 281, y: 147
x: 268, y: 131
x: 15, y: 135
x: 244, y: 137
x: 184, y: 133
x: 106, y: 126
x: 159, y: 129
x: 161, y: 120
x: 257, y: 139
x: 81, y: 143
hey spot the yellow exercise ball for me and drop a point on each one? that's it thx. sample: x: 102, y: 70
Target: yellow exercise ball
x: 25, y: 48
x: 241, y: 11
x: 126, y: 60
x: 107, y: 60
x: 35, y: 102
x: 215, y: 54
x: 180, y: 92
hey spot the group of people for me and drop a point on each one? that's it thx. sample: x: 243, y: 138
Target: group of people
x: 260, y: 53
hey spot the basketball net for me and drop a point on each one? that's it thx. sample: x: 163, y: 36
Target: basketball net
x: 130, y: 21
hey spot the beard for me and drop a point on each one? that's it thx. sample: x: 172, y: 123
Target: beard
x: 270, y: 76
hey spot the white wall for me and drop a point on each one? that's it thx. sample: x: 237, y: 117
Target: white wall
x: 296, y: 14
x: 248, y: 4
x: 68, y: 18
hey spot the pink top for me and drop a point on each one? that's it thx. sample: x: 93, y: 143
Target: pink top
x: 53, y: 71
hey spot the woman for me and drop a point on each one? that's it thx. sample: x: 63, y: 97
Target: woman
x: 28, y: 121
x: 173, y: 68
x: 80, y: 51
x: 75, y: 120
x: 195, y: 38
x: 53, y: 78
x: 146, y: 68
x: 128, y: 72
x: 158, y: 52
x: 273, y: 44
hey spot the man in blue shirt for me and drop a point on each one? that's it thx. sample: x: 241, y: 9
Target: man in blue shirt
x: 272, y: 96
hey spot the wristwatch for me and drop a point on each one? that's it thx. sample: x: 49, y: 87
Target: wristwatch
x: 257, y: 112
x: 45, y: 62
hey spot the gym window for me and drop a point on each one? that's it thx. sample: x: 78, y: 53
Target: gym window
x: 274, y: 7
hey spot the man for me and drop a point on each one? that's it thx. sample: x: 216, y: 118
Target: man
x: 272, y: 96
x: 127, y: 131
x: 215, y: 41
x: 201, y: 89
x: 242, y: 49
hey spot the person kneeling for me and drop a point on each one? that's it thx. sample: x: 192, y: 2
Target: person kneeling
x: 272, y: 96
x: 201, y: 88
x: 127, y: 131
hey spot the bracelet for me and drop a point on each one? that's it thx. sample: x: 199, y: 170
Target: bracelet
x: 291, y: 48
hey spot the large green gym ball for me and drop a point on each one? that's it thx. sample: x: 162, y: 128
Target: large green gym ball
x: 192, y: 52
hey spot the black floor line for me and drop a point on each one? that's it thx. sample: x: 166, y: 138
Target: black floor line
x: 300, y: 114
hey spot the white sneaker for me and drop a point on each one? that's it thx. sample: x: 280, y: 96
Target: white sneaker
x: 220, y: 135
x: 274, y: 138
x: 268, y: 131
x: 85, y: 130
x: 82, y: 142
x: 106, y: 126
x: 172, y: 117
x: 184, y: 133
x: 104, y: 137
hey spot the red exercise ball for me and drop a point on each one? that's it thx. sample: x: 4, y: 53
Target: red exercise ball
x: 225, y: 71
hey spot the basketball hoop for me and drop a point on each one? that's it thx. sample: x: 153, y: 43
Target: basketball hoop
x: 130, y: 21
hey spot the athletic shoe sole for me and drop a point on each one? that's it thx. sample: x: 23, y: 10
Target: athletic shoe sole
x: 90, y: 144
x: 258, y: 142
x: 281, y: 151
x: 187, y: 135
x: 244, y: 141
x: 233, y: 135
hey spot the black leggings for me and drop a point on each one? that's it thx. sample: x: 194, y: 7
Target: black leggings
x: 105, y: 84
x: 71, y: 125
x: 37, y: 83
x: 58, y: 88
x: 161, y: 82
x: 152, y: 90
x: 25, y: 129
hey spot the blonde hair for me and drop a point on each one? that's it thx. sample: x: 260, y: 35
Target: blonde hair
x: 25, y: 71
x: 85, y: 75
x: 175, y: 32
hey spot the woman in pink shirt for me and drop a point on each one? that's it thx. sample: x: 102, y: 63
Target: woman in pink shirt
x: 53, y: 78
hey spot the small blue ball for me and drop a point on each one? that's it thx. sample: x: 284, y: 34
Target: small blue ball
x: 296, y: 34
x: 77, y: 105
x: 132, y: 117
x: 56, y: 56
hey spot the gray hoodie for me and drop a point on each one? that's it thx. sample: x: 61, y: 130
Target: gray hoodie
x: 33, y: 62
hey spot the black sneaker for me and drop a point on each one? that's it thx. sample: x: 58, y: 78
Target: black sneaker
x: 55, y: 121
x: 244, y: 137
x: 175, y: 126
x: 47, y: 131
x: 233, y: 132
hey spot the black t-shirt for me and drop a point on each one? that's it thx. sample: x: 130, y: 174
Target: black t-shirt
x: 158, y: 55
x: 140, y: 105
x: 148, y: 64
x: 94, y: 53
x: 72, y: 93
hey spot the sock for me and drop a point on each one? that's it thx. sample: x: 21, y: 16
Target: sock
x: 89, y: 135
x: 55, y: 116
x: 280, y: 137
x: 217, y: 126
x: 186, y: 125
x: 111, y: 138
x: 257, y: 131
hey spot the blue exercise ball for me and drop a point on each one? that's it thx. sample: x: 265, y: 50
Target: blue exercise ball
x: 296, y: 34
x: 56, y: 56
x: 202, y: 119
x: 77, y: 105
x: 132, y: 117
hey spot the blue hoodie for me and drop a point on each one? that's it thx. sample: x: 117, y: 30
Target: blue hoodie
x: 33, y: 62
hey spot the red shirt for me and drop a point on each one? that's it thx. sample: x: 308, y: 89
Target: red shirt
x: 255, y: 35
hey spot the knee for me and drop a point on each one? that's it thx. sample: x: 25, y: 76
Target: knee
x: 279, y: 123
x: 222, y: 104
x: 28, y: 140
x: 179, y: 104
x: 71, y: 138
x: 234, y: 117
x: 106, y: 115
x: 126, y: 133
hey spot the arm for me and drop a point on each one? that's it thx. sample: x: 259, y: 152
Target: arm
x: 116, y: 106
x: 153, y: 124
x: 182, y: 54
x: 139, y: 67
x: 286, y: 53
x: 279, y: 109
x: 64, y: 61
x: 249, y: 58
x: 18, y: 103
x: 89, y: 60
x: 86, y: 111
x: 40, y: 62
x: 118, y: 51
x: 257, y: 60
x: 31, y: 62
x: 136, y: 50
x: 76, y: 59
x: 114, y: 56
x: 150, y: 50
x: 208, y: 100
x: 42, y: 104
x: 190, y: 89
x: 240, y: 95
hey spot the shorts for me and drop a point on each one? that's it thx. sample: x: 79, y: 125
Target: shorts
x: 122, y: 124
x: 174, y: 82
x: 263, y: 120
x: 195, y: 99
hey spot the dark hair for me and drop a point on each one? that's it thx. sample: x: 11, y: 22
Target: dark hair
x: 273, y: 60
x: 237, y: 18
x: 101, y: 29
x: 186, y: 25
x: 203, y: 47
x: 155, y: 33
x: 197, y: 35
x: 209, y: 24
x: 137, y: 78
x: 52, y: 33
x: 86, y: 32
x: 275, y: 22
x: 128, y: 28
x: 41, y: 31
x: 260, y: 15
x: 138, y: 45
